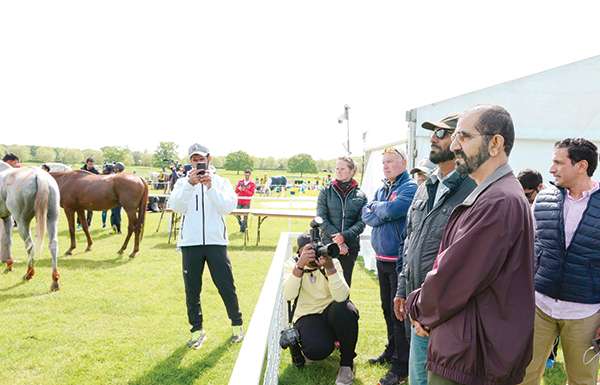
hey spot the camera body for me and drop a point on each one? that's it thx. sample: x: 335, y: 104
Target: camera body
x: 290, y: 338
x: 201, y: 167
x: 322, y: 250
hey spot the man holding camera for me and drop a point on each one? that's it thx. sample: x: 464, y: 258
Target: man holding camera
x: 386, y: 214
x: 204, y: 198
x: 323, y: 313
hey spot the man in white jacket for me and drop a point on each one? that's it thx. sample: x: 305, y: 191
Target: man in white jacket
x: 204, y: 198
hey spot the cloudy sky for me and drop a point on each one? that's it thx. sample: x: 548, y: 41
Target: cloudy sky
x: 267, y: 77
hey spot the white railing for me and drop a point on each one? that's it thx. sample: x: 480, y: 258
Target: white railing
x: 260, y: 353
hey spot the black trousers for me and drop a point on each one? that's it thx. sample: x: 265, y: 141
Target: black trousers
x: 115, y: 217
x: 397, y: 347
x: 88, y: 217
x: 347, y: 261
x: 243, y: 219
x: 219, y: 265
x: 318, y: 332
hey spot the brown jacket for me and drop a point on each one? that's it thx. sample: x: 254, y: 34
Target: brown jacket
x: 479, y: 299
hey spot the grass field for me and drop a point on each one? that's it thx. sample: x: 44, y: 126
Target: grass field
x: 121, y: 321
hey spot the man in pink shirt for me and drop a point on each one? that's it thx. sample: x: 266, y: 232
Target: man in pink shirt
x: 567, y: 273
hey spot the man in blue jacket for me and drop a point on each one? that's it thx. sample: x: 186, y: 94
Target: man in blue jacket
x: 386, y: 214
x: 567, y: 260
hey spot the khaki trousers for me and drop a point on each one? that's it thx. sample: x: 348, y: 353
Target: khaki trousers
x: 575, y: 338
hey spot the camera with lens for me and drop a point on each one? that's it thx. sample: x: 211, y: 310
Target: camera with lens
x: 290, y: 338
x: 322, y: 250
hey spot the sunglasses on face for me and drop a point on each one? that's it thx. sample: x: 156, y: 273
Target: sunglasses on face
x: 441, y: 133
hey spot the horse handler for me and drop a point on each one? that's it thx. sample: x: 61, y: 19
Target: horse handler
x: 204, y: 198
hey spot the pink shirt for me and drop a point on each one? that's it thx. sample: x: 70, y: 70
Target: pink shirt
x: 573, y: 211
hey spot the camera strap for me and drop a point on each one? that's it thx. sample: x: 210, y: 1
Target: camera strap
x: 292, y: 307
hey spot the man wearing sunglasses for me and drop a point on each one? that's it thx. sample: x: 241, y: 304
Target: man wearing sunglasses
x: 477, y: 303
x: 427, y: 218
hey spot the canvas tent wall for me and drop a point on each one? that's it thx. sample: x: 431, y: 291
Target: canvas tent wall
x: 545, y: 107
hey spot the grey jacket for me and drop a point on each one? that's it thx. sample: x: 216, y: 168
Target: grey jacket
x: 425, y: 227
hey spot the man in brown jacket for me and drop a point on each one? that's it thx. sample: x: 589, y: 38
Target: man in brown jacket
x: 477, y: 303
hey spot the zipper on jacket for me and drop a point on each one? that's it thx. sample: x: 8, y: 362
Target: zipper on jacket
x: 203, y: 218
x: 343, y: 205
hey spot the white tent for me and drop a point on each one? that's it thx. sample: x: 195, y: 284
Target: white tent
x: 546, y: 107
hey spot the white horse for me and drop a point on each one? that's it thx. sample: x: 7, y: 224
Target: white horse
x: 26, y: 193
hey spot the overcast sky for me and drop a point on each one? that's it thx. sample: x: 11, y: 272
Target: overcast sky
x: 267, y: 77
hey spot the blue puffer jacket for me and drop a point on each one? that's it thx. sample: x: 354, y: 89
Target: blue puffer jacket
x: 387, y: 215
x: 571, y: 274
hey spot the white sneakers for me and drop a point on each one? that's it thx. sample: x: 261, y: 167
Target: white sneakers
x: 199, y: 336
x: 237, y: 334
x: 197, y: 339
x: 345, y: 376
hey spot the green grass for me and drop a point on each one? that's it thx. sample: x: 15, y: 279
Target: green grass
x: 121, y: 321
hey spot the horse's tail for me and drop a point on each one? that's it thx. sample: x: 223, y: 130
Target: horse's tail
x: 142, y: 210
x: 41, y: 211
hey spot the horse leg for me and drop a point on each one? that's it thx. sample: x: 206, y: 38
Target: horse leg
x: 53, y: 246
x: 136, y: 244
x: 71, y: 220
x: 23, y: 227
x: 84, y: 225
x: 6, y: 243
x: 130, y: 227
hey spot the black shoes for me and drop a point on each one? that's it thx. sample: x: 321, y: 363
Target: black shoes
x: 392, y: 378
x: 383, y: 358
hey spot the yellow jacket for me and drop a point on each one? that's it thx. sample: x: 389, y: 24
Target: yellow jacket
x: 316, y: 292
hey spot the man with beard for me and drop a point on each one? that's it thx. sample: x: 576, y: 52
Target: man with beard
x: 477, y: 303
x: 567, y: 250
x: 427, y: 217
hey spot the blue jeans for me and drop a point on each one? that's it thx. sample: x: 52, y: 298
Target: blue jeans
x: 417, y: 361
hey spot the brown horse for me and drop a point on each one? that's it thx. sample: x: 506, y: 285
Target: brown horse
x: 81, y: 190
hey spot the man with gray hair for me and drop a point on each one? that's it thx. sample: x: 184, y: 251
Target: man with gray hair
x: 477, y: 302
x: 204, y: 198
x: 386, y: 214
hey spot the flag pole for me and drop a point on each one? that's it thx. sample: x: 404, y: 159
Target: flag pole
x: 347, y: 115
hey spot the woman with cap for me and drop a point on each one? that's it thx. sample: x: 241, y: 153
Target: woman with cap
x: 324, y: 316
x: 340, y: 205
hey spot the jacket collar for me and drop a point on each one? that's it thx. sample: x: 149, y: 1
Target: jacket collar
x: 453, y: 181
x: 398, y: 181
x: 499, y: 173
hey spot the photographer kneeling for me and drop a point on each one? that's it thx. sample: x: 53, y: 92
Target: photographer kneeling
x: 323, y: 313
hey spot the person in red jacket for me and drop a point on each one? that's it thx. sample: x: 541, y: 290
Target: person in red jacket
x: 244, y: 190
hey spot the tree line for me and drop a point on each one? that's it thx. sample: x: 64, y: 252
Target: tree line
x: 165, y: 155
